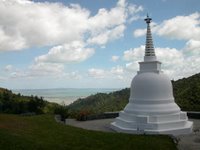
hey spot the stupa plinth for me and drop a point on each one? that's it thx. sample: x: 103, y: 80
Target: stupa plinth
x: 151, y: 108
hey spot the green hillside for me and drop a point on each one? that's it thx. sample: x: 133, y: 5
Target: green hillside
x: 41, y: 132
x: 186, y: 93
x: 19, y: 104
x: 101, y: 102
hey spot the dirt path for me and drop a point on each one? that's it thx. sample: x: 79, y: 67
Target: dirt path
x: 98, y: 125
x: 190, y: 141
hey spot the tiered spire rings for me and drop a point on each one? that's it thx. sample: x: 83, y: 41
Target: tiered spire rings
x: 149, y: 48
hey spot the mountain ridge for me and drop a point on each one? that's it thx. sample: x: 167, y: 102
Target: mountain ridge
x: 186, y: 93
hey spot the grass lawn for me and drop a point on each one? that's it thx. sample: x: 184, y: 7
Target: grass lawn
x: 42, y: 132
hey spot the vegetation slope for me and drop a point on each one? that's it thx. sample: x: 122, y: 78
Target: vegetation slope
x: 18, y: 104
x: 41, y: 132
x: 187, y: 92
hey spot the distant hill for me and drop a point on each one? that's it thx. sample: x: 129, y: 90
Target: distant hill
x: 186, y: 93
x: 101, y: 102
x: 19, y: 104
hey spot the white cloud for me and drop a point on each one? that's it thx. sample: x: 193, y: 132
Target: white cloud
x: 18, y: 1
x: 74, y: 75
x: 133, y: 9
x: 117, y: 70
x: 175, y: 63
x: 73, y: 52
x: 109, y: 25
x: 69, y: 30
x: 179, y: 27
x: 27, y: 24
x: 8, y: 68
x: 139, y: 32
x: 117, y: 73
x: 39, y: 24
x: 38, y: 70
x: 173, y: 60
x: 108, y: 19
x: 18, y: 74
x: 192, y: 47
x: 108, y: 35
x: 170, y: 57
x: 2, y: 78
x: 46, y: 69
x: 97, y: 73
x: 135, y: 54
x: 132, y: 67
x: 114, y: 58
x: 113, y: 73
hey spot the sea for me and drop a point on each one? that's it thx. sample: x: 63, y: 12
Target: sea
x: 63, y: 95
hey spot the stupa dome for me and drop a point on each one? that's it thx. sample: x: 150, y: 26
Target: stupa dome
x: 151, y: 93
x: 148, y: 86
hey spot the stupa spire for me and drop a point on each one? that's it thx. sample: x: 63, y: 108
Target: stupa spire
x: 149, y: 48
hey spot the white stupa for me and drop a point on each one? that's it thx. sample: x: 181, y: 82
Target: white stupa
x: 151, y: 108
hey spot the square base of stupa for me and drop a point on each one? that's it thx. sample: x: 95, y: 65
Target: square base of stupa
x: 172, y: 124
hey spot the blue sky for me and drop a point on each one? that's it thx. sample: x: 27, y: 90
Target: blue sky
x: 93, y: 43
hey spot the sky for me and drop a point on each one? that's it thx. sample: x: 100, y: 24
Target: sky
x: 94, y: 43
